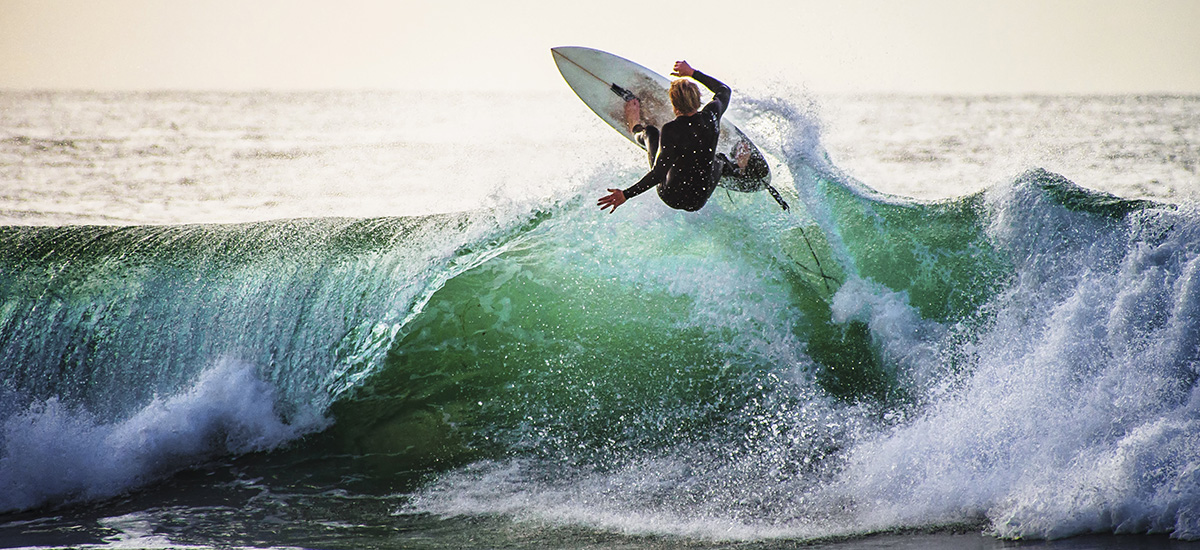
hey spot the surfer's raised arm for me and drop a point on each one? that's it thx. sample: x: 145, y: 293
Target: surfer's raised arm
x: 721, y: 93
x: 682, y: 69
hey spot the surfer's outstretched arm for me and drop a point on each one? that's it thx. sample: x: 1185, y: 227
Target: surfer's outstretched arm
x: 660, y: 165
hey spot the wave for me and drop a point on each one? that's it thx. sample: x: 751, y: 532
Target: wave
x: 1022, y: 359
x: 110, y: 330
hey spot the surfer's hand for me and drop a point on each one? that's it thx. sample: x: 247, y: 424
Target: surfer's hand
x: 682, y: 69
x: 615, y: 198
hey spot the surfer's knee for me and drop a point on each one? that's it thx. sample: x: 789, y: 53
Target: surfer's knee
x: 639, y: 135
x: 646, y: 135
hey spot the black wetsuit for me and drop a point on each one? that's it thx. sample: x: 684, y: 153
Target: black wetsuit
x: 683, y: 160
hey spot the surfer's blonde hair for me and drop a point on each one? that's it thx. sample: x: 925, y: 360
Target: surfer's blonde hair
x: 685, y: 96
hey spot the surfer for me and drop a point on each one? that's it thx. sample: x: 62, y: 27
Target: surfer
x: 684, y: 163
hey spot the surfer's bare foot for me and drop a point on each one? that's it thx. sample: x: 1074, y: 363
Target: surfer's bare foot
x: 633, y: 114
x: 741, y: 152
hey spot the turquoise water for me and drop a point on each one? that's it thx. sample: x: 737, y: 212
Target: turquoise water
x: 1016, y: 363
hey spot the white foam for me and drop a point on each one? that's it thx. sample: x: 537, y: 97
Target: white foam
x: 897, y: 329
x: 53, y: 452
x: 1080, y: 414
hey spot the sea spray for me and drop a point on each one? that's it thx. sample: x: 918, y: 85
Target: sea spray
x: 1078, y: 413
x: 55, y: 452
x: 1025, y: 349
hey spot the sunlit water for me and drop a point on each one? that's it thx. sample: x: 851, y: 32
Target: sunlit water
x: 215, y: 157
x: 398, y: 320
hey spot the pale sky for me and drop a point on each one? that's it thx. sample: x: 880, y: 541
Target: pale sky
x: 922, y: 46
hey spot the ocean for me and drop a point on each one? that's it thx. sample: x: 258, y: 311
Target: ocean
x: 399, y: 320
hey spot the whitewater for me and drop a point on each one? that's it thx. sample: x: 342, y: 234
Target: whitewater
x: 398, y: 320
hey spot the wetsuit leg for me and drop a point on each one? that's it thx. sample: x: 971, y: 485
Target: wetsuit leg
x: 721, y: 167
x: 648, y: 138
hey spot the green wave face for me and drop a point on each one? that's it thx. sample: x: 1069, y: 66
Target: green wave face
x: 108, y: 317
x: 643, y: 340
x: 585, y: 340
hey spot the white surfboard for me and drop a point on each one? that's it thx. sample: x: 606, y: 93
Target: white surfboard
x: 592, y: 74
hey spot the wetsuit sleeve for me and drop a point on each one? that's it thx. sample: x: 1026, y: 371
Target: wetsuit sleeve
x: 721, y: 93
x: 655, y: 176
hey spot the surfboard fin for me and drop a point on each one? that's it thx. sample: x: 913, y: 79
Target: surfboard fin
x: 622, y: 93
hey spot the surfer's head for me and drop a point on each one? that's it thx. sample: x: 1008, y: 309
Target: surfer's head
x: 685, y: 97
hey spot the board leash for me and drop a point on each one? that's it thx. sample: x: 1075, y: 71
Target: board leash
x: 820, y: 271
x: 775, y: 195
x: 824, y: 278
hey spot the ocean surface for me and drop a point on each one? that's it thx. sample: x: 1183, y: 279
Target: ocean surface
x: 398, y: 320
